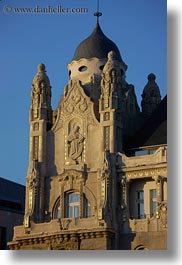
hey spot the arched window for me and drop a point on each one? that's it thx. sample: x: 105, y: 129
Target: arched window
x: 56, y: 210
x: 87, y: 208
x: 73, y: 205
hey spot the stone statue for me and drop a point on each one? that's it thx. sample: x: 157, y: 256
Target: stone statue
x: 75, y: 144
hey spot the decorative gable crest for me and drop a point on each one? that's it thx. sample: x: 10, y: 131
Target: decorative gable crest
x: 75, y: 101
x: 75, y: 104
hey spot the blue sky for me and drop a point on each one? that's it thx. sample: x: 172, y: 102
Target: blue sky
x: 138, y: 27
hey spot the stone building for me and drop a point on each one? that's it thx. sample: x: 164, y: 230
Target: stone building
x: 97, y: 175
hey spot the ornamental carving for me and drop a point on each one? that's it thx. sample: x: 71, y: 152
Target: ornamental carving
x: 69, y: 109
x: 72, y: 177
x: 64, y: 245
x: 76, y: 103
x: 64, y: 224
x: 146, y: 172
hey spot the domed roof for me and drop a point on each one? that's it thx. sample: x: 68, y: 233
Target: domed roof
x: 96, y: 45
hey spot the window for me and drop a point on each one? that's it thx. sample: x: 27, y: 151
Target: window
x: 57, y: 210
x: 143, y: 152
x: 140, y: 204
x: 87, y: 209
x: 101, y: 67
x: 82, y: 68
x: 152, y: 202
x: 73, y: 205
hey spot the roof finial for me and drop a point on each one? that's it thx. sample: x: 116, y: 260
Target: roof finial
x: 97, y: 14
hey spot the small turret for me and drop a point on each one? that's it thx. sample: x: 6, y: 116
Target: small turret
x: 150, y: 97
x: 40, y: 123
x: 110, y: 103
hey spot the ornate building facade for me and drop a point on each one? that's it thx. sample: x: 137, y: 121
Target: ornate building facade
x: 97, y: 175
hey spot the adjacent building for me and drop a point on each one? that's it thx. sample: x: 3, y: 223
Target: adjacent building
x: 97, y: 175
x: 12, y: 209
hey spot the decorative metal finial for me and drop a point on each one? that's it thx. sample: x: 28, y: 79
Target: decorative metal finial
x: 97, y: 14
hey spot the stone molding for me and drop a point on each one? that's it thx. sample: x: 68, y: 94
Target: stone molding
x: 61, y: 241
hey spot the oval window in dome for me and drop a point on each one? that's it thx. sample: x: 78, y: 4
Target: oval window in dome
x: 83, y: 68
x: 101, y: 67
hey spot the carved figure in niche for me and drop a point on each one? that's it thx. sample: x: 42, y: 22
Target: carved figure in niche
x: 75, y: 144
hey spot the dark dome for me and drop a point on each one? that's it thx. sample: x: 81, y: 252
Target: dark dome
x: 96, y: 45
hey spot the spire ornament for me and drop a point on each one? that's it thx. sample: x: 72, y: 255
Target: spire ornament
x: 97, y: 14
x: 41, y: 95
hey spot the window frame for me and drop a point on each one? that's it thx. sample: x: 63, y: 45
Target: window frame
x: 153, y: 200
x: 140, y: 202
x: 71, y: 206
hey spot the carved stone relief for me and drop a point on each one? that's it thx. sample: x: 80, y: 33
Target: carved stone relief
x: 74, y: 143
x: 64, y: 245
x: 76, y: 103
x: 146, y: 172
